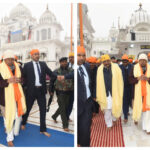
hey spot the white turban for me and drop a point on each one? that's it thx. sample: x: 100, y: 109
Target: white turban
x: 8, y: 54
x: 143, y: 56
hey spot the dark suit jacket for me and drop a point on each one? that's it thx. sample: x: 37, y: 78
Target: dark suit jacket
x: 123, y: 70
x: 29, y: 76
x: 80, y: 92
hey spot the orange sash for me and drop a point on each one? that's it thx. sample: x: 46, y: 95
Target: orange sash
x: 144, y: 91
x: 17, y: 93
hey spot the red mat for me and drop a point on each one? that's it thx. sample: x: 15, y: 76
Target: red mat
x: 102, y: 137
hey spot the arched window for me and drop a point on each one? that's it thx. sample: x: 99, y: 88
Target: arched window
x: 44, y: 34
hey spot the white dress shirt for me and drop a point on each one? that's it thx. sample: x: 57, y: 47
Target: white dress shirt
x: 71, y: 65
x: 86, y: 79
x: 37, y: 78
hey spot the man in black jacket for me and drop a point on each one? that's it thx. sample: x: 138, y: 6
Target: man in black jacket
x: 84, y: 100
x: 34, y: 74
x: 126, y: 68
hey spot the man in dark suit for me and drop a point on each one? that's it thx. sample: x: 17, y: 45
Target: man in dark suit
x: 34, y: 74
x: 126, y: 68
x: 84, y: 100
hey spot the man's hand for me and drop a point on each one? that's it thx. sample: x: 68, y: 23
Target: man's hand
x: 140, y: 78
x: 11, y: 80
x: 17, y: 80
x: 94, y: 99
x: 143, y: 77
x: 60, y: 78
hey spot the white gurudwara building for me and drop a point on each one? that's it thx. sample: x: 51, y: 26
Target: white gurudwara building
x: 21, y: 32
x: 132, y: 39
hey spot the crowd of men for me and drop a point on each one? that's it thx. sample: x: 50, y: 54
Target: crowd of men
x: 111, y: 86
x: 21, y: 85
x: 105, y: 84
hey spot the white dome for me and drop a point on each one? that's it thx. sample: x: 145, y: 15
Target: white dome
x: 140, y: 16
x: 20, y: 11
x: 47, y: 17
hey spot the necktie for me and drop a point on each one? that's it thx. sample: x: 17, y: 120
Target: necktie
x: 82, y: 74
x: 81, y: 71
x: 39, y: 72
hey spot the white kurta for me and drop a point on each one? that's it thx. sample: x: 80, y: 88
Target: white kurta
x: 146, y: 121
x: 15, y: 129
x: 109, y: 118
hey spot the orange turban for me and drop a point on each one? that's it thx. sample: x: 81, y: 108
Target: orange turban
x: 16, y: 58
x: 148, y: 54
x: 33, y: 51
x: 71, y: 54
x: 130, y: 60
x: 92, y: 60
x: 105, y: 57
x: 80, y: 49
x: 125, y: 57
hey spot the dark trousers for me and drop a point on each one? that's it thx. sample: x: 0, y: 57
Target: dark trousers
x: 70, y: 106
x: 126, y: 101
x: 40, y: 96
x: 63, y: 101
x: 84, y: 125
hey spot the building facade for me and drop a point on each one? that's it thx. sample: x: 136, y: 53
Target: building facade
x: 21, y: 32
x: 132, y: 39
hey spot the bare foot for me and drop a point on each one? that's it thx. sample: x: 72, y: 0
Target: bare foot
x: 135, y: 122
x: 66, y: 129
x: 55, y: 121
x: 114, y: 123
x: 125, y: 120
x: 23, y: 127
x: 46, y: 134
x: 148, y: 132
x: 10, y: 144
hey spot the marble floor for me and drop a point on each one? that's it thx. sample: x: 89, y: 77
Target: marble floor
x: 34, y: 117
x: 134, y: 136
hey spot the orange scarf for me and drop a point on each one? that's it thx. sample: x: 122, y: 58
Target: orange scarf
x: 17, y: 93
x: 144, y: 93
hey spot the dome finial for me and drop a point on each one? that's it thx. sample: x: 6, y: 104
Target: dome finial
x: 140, y: 5
x: 47, y: 7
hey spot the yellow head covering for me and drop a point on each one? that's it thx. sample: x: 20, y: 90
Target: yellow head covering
x: 105, y: 57
x: 71, y: 54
